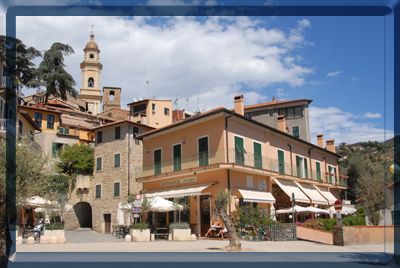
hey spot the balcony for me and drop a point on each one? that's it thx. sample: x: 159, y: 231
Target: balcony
x: 244, y: 160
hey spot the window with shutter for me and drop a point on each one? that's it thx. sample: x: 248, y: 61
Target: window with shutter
x: 203, y: 151
x: 157, y: 162
x: 281, y: 161
x: 177, y: 151
x: 239, y: 151
x: 257, y: 155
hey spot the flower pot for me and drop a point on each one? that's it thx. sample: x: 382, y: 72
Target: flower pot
x: 140, y: 235
x: 181, y: 234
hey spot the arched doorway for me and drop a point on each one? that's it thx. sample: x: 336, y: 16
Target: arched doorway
x: 83, y: 211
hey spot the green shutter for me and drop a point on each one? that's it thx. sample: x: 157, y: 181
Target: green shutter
x: 203, y: 151
x: 305, y: 168
x: 177, y: 157
x: 257, y: 155
x: 157, y: 162
x: 318, y: 167
x: 239, y: 151
x: 54, y: 149
x: 298, y: 167
x: 281, y: 161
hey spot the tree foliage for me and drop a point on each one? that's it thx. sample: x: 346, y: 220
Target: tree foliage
x: 366, y: 164
x: 76, y: 159
x: 24, y: 68
x: 52, y: 74
x: 30, y: 167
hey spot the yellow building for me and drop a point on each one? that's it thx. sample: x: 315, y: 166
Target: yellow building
x: 91, y: 72
x: 151, y: 112
x: 223, y: 150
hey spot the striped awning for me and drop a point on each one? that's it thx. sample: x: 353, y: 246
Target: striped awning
x: 312, y: 193
x: 289, y: 187
x: 183, y: 192
x: 256, y: 196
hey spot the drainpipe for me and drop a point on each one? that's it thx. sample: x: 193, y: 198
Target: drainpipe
x: 129, y: 156
x: 291, y: 159
x: 227, y: 160
x: 309, y: 156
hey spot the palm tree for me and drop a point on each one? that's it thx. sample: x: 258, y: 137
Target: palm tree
x: 52, y: 75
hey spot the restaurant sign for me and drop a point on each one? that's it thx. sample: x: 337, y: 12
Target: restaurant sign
x: 178, y: 181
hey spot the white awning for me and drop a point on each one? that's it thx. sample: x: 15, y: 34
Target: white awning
x: 290, y: 187
x: 179, y: 192
x: 312, y: 193
x: 256, y: 196
x: 327, y: 194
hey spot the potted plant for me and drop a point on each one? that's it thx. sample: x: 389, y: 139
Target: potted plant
x: 54, y: 232
x: 140, y: 232
x: 180, y: 231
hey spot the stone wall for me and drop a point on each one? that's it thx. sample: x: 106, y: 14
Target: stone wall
x: 368, y: 234
x: 314, y: 235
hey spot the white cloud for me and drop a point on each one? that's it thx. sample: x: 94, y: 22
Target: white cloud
x: 372, y: 115
x: 344, y: 126
x: 182, y: 57
x: 333, y: 74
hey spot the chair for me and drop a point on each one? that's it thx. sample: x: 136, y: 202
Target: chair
x: 114, y: 230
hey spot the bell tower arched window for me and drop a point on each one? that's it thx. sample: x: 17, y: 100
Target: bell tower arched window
x: 91, y: 56
x: 112, y: 95
x: 90, y: 82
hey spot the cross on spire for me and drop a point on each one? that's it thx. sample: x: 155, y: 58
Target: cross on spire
x: 91, y: 32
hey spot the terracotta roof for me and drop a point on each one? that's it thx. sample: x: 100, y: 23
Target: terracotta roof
x: 275, y: 102
x: 40, y: 108
x: 120, y: 122
x: 232, y: 113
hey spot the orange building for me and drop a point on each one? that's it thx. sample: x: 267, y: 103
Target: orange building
x: 222, y: 150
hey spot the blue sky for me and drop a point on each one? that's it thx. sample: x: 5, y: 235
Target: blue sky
x: 336, y: 61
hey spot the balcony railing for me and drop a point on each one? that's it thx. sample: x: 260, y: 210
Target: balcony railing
x: 228, y: 156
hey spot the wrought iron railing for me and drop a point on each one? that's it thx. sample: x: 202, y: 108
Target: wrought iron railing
x: 236, y: 157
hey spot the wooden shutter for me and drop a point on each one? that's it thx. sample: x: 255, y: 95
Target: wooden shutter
x: 177, y: 157
x: 281, y: 161
x: 257, y: 155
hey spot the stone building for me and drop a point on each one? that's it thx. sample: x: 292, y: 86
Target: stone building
x: 117, y: 154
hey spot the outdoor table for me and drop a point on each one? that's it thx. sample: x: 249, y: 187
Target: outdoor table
x: 161, y: 233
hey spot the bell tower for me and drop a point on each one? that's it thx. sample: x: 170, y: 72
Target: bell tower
x: 111, y: 98
x: 90, y: 72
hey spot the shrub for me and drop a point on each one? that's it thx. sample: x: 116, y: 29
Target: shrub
x: 140, y: 226
x: 320, y: 224
x: 183, y: 225
x: 55, y: 226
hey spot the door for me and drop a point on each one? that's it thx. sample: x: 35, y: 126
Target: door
x: 107, y: 223
x: 205, y: 214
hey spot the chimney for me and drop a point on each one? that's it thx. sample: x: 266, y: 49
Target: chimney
x: 281, y: 123
x: 273, y: 99
x: 320, y: 140
x: 239, y: 104
x: 330, y: 146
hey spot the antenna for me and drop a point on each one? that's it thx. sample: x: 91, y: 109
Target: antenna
x: 198, y: 104
x: 187, y: 103
x: 147, y: 88
x: 176, y: 103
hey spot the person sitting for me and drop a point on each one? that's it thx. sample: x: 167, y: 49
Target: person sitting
x: 216, y: 225
x: 222, y: 231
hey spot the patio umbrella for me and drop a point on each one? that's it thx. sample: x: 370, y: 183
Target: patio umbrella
x: 272, y: 213
x: 120, y: 215
x: 297, y: 209
x: 159, y: 204
x: 317, y: 210
x: 346, y: 210
x: 37, y: 201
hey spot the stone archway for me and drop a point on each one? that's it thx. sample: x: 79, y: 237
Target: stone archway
x: 83, y: 212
